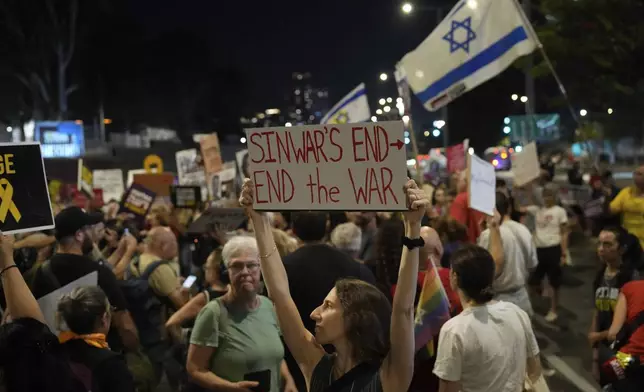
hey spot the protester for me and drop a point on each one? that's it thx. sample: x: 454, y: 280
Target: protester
x: 612, y: 276
x: 355, y: 317
x: 489, y: 346
x: 71, y: 263
x: 453, y: 235
x: 347, y: 237
x: 551, y: 239
x: 439, y: 203
x: 237, y: 335
x: 389, y: 245
x: 462, y: 213
x: 86, y: 312
x: 629, y: 203
x: 368, y: 223
x: 285, y: 243
x: 520, y: 256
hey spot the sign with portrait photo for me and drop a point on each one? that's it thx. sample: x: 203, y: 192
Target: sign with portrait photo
x: 185, y: 196
x: 137, y: 200
x: 24, y: 197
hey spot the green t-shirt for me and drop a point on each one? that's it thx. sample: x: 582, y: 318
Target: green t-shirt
x: 244, y: 342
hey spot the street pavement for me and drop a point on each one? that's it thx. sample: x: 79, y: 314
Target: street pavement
x: 564, y: 345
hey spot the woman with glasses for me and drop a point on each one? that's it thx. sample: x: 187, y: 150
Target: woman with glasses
x: 235, y: 344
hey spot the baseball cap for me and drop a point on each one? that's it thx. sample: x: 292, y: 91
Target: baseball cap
x: 72, y: 219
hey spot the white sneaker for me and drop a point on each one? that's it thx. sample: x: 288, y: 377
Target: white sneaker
x: 551, y: 317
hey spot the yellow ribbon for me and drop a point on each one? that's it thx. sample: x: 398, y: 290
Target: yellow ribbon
x: 7, y: 204
x: 153, y: 161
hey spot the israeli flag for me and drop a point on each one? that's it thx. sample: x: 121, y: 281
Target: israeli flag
x: 353, y: 108
x: 477, y: 40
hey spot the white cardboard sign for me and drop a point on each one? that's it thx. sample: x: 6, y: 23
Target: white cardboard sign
x: 525, y: 165
x: 111, y: 182
x: 482, y: 186
x: 49, y: 303
x: 350, y: 167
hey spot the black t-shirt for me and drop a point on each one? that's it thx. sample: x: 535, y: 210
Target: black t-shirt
x: 32, y: 359
x: 109, y: 370
x: 68, y: 268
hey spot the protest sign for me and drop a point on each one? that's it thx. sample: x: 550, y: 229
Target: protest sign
x: 210, y: 153
x: 228, y: 171
x: 158, y: 183
x: 215, y: 186
x: 456, y: 159
x: 188, y: 171
x: 349, y: 167
x: 131, y: 174
x: 137, y: 201
x: 481, y: 185
x: 242, y: 163
x: 153, y: 164
x: 24, y: 198
x: 185, y: 196
x: 49, y: 303
x: 85, y: 181
x: 218, y: 219
x: 525, y: 165
x: 111, y: 182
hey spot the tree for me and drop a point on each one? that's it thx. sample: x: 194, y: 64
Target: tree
x: 597, y: 47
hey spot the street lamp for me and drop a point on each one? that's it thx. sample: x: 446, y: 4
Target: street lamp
x: 514, y: 97
x: 405, y: 119
x: 610, y: 111
x: 387, y: 109
x: 470, y: 151
x: 426, y: 133
x: 507, y: 130
x: 436, y: 133
x: 407, y: 8
x: 383, y: 77
x: 506, y: 120
x: 524, y: 99
x: 382, y: 101
x: 288, y: 124
x: 242, y: 140
x: 9, y: 129
x: 374, y: 119
x: 583, y: 112
x: 439, y: 124
x: 379, y: 111
x: 389, y: 100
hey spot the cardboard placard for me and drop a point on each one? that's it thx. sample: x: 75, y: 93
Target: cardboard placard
x: 188, y: 171
x: 525, y: 165
x: 349, y: 167
x: 24, y: 197
x: 185, y: 196
x: 153, y: 164
x: 137, y: 200
x: 131, y: 174
x: 456, y: 158
x: 481, y: 185
x: 85, y: 182
x: 111, y: 182
x: 49, y: 303
x: 211, y: 153
x: 242, y: 164
x: 219, y: 219
x: 158, y: 183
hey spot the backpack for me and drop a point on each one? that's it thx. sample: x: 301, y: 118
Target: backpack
x: 143, y: 303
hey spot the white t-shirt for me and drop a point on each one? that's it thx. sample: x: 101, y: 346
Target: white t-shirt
x: 548, y: 225
x: 520, y: 255
x: 486, y: 348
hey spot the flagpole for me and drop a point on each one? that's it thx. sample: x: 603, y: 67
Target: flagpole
x: 414, y: 150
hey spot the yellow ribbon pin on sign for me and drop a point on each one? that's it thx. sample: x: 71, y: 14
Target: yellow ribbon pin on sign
x: 153, y: 161
x: 7, y: 204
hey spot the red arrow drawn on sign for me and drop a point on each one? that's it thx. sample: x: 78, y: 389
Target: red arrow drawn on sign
x: 398, y: 144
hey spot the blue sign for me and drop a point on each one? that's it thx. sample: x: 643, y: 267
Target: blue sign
x: 60, y: 139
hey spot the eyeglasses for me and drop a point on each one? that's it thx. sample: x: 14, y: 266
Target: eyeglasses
x: 239, y: 266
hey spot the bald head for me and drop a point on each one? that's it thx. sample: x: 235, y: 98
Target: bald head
x: 433, y: 246
x: 162, y: 242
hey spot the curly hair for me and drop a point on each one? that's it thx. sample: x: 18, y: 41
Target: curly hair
x: 367, y: 319
x: 388, y: 252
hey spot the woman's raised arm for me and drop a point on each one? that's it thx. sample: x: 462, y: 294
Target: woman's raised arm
x: 398, y: 368
x: 299, y: 340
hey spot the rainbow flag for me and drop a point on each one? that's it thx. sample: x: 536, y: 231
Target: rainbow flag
x: 432, y: 311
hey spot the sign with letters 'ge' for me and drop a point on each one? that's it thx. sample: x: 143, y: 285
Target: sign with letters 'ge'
x: 24, y: 197
x: 350, y: 167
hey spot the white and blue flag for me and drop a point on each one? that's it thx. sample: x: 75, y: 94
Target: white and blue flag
x: 477, y: 40
x: 353, y: 108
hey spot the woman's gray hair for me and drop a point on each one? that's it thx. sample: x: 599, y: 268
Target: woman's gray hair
x: 237, y: 246
x: 347, y: 236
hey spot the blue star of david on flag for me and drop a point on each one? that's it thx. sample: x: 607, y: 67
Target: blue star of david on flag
x: 455, y: 45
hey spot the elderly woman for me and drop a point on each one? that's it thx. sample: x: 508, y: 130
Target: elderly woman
x: 235, y: 344
x: 347, y: 237
x: 373, y: 341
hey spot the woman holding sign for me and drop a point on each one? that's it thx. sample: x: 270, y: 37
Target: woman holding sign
x: 374, y: 343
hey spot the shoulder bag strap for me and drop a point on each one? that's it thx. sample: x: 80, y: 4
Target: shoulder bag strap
x: 150, y: 269
x: 628, y: 330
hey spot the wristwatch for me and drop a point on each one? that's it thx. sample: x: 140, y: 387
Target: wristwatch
x: 412, y: 244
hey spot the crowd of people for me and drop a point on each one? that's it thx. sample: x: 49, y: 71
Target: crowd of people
x: 311, y: 300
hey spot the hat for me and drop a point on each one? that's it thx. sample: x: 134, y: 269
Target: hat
x: 72, y: 219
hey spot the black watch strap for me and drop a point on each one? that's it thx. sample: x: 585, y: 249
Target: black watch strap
x: 412, y: 244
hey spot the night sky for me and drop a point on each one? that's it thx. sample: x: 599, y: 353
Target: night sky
x: 342, y: 43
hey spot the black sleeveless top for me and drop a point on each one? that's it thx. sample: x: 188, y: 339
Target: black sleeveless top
x: 362, y: 378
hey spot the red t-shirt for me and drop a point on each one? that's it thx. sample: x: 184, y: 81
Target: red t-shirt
x: 634, y: 293
x: 463, y: 214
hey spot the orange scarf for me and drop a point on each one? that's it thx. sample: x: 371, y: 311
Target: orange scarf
x: 93, y: 339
